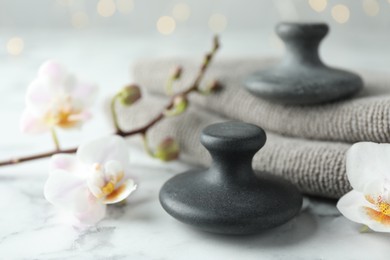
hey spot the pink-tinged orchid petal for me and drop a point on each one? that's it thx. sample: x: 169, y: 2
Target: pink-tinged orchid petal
x: 83, y: 116
x: 355, y: 206
x: 39, y: 96
x: 85, y: 93
x: 62, y: 161
x: 366, y: 162
x: 68, y: 85
x: 69, y: 162
x: 121, y: 193
x: 30, y: 123
x: 103, y: 150
x: 94, y: 213
x: 52, y: 71
x: 67, y: 191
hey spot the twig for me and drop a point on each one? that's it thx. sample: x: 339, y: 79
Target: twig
x: 141, y: 130
x: 36, y: 157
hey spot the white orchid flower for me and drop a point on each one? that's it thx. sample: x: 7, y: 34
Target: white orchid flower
x: 56, y: 99
x: 368, y: 170
x: 84, y: 184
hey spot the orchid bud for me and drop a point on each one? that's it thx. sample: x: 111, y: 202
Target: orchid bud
x: 168, y: 150
x: 129, y: 95
x: 176, y: 73
x: 180, y: 104
x: 212, y: 87
x: 216, y: 44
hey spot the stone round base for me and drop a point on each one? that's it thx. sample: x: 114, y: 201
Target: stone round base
x: 201, y: 199
x: 303, y: 86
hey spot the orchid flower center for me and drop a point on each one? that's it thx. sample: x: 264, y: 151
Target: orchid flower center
x: 105, y: 178
x: 381, y: 210
x: 62, y: 113
x: 384, y: 207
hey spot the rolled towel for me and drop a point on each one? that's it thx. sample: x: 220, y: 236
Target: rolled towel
x: 315, y: 167
x: 365, y: 117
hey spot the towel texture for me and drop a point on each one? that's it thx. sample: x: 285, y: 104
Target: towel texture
x: 315, y: 167
x: 365, y: 117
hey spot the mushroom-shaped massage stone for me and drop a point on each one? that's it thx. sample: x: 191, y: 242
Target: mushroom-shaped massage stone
x: 229, y: 197
x: 301, y: 78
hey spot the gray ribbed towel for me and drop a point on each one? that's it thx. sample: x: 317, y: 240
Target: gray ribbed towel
x: 366, y: 117
x: 315, y: 167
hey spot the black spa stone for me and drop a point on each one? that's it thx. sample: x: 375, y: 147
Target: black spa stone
x: 301, y: 78
x: 229, y: 198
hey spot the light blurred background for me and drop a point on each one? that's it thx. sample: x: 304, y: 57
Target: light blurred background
x: 177, y: 16
x: 101, y: 39
x: 176, y: 23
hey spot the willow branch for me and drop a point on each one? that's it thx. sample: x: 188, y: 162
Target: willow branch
x: 141, y: 130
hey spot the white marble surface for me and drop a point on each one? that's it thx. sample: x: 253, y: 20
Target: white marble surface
x: 30, y: 227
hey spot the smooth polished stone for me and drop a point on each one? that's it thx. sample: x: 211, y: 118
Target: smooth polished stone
x: 301, y: 78
x: 229, y: 198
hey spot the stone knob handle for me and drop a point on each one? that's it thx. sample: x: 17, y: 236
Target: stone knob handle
x: 233, y: 137
x: 302, y: 42
x: 301, y: 31
x: 232, y: 146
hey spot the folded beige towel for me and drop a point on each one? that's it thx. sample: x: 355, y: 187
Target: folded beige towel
x: 366, y: 117
x: 315, y: 167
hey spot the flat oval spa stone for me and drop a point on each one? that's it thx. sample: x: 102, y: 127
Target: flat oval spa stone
x: 228, y: 197
x: 301, y: 78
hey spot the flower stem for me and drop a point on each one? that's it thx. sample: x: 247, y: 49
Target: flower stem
x: 169, y: 86
x: 55, y: 139
x: 176, y: 74
x: 364, y: 229
x: 114, y: 114
x: 147, y: 148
